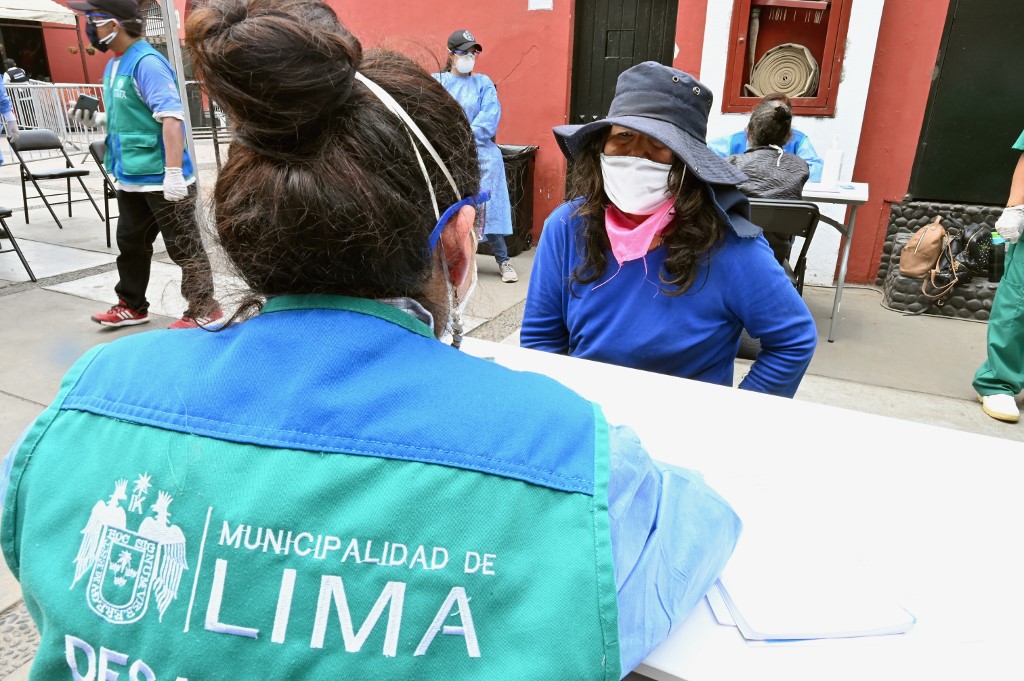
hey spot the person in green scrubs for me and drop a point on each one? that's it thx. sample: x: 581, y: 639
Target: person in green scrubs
x: 1001, y: 376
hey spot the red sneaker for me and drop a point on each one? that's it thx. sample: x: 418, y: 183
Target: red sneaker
x: 120, y: 315
x: 189, y: 322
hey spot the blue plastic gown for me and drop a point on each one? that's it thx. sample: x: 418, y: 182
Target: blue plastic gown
x: 479, y: 99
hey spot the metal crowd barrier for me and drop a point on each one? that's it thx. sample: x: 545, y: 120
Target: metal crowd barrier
x: 46, y: 105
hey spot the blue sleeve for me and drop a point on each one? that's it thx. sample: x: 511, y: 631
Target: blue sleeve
x: 771, y: 310
x: 544, y: 320
x: 805, y: 150
x: 671, y: 538
x: 485, y: 123
x: 157, y: 86
x: 6, y: 107
x: 721, y: 146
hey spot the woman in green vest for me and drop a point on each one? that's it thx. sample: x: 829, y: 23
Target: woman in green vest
x: 319, y: 502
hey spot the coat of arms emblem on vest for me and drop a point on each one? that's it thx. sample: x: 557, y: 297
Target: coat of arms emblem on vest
x: 127, y: 568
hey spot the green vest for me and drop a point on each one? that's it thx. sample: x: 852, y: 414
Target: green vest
x: 135, y: 145
x: 314, y: 510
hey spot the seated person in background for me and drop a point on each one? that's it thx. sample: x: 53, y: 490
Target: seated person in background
x: 772, y: 172
x: 347, y: 204
x: 798, y: 144
x: 653, y: 264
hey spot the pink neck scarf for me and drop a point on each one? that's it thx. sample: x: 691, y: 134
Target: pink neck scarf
x: 630, y: 241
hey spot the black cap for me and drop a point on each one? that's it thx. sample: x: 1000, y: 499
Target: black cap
x: 119, y: 9
x: 463, y: 40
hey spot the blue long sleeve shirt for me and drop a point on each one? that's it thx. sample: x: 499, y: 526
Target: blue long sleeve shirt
x: 799, y: 144
x: 624, y: 317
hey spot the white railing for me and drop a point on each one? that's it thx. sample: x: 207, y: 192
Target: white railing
x: 46, y: 105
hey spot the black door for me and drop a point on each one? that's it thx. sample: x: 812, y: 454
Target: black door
x: 22, y: 41
x: 611, y: 36
x: 976, y: 107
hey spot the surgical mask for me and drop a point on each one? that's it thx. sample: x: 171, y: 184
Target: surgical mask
x: 101, y: 44
x: 465, y: 63
x: 635, y: 185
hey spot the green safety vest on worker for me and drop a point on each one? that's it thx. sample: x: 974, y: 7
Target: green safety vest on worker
x: 135, y: 143
x: 314, y: 512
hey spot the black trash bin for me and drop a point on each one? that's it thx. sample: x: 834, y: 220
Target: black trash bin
x: 519, y: 161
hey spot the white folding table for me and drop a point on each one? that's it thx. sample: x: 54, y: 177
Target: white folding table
x: 935, y: 512
x: 852, y: 194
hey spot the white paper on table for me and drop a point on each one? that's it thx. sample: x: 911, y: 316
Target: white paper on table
x: 797, y: 602
x: 718, y: 606
x: 540, y: 4
x: 819, y: 188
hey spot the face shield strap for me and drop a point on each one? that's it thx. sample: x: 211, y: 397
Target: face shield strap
x: 396, y: 108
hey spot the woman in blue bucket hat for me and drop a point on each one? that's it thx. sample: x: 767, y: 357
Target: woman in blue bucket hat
x: 653, y: 263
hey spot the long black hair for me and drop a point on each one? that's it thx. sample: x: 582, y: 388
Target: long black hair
x: 695, y: 229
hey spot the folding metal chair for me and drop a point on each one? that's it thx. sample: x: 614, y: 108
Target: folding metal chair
x: 787, y: 218
x: 98, y: 150
x: 791, y: 218
x: 47, y: 140
x: 6, y: 233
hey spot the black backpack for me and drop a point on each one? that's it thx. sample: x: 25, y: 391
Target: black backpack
x: 17, y: 75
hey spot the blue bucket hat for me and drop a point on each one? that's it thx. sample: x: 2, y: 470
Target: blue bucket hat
x: 665, y: 104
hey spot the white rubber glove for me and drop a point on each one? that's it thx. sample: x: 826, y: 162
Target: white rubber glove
x: 1010, y: 223
x: 89, y: 119
x: 13, y: 131
x: 174, y: 185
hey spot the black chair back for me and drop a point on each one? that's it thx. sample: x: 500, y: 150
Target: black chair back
x: 37, y: 140
x: 791, y: 218
x: 795, y: 218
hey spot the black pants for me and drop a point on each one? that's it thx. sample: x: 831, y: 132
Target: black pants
x: 143, y: 215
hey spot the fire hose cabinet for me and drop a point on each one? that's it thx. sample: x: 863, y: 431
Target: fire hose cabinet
x: 795, y: 47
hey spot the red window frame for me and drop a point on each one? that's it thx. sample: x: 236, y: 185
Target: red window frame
x: 831, y: 66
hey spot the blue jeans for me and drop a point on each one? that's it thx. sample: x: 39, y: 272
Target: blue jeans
x: 497, y: 242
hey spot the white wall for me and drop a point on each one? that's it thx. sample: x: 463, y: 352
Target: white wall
x: 865, y: 19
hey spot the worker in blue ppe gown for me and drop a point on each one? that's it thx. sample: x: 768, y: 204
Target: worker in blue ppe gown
x: 479, y: 99
x: 799, y: 144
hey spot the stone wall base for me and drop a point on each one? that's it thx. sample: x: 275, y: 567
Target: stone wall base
x: 968, y: 301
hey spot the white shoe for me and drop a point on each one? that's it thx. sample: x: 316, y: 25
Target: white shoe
x: 1000, y: 406
x: 508, y: 273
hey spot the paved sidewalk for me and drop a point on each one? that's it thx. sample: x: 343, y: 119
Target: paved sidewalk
x: 913, y: 368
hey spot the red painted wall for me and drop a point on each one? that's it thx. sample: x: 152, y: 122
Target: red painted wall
x: 690, y: 19
x: 526, y: 53
x: 65, y: 66
x: 908, y: 45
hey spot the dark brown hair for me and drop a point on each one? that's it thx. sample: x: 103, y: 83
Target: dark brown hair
x: 322, y: 191
x: 771, y: 121
x: 694, y: 231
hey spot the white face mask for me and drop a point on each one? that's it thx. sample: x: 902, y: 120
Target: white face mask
x: 635, y: 185
x: 465, y: 63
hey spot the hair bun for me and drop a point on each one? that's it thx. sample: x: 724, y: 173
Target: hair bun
x: 782, y: 113
x: 282, y: 69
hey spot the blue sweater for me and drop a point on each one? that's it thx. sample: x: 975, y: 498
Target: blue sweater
x: 623, y: 318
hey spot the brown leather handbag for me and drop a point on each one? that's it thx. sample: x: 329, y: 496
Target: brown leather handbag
x: 919, y: 256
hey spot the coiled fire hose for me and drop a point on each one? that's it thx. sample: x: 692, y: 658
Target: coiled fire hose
x: 788, y: 68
